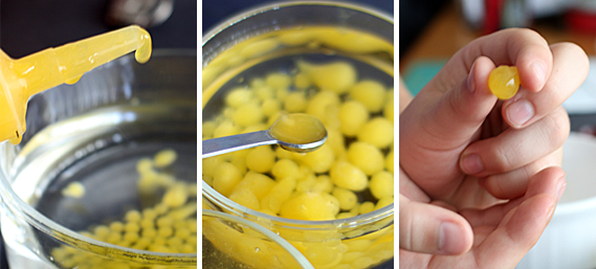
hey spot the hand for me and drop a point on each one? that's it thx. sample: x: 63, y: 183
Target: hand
x: 459, y: 144
x: 496, y: 237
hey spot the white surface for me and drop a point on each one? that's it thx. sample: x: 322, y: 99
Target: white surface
x: 569, y: 241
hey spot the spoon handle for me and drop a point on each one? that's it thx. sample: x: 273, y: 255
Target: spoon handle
x: 222, y: 145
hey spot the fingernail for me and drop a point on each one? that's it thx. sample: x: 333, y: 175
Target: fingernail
x: 470, y: 80
x: 520, y: 112
x: 472, y: 164
x: 539, y: 69
x: 561, y: 185
x: 450, y: 238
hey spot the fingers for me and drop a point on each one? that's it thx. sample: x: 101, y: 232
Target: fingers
x: 432, y: 229
x: 522, y: 225
x: 439, y: 126
x: 516, y: 148
x: 570, y: 69
x: 524, y: 48
x: 514, y: 183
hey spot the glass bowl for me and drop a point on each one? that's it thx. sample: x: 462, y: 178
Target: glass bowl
x: 77, y: 169
x: 272, y: 39
x: 244, y: 238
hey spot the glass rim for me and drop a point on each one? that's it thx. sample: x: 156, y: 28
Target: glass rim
x: 277, y: 5
x: 72, y: 238
x: 303, y: 261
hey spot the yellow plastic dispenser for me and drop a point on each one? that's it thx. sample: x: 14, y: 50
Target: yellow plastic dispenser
x: 22, y: 78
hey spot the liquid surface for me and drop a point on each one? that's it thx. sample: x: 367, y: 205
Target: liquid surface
x: 504, y: 81
x: 298, y: 128
x: 46, y: 69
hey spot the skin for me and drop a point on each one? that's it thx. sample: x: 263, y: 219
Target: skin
x: 480, y: 177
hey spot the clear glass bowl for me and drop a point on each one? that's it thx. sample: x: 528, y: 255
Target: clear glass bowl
x: 244, y: 238
x: 94, y: 132
x: 249, y: 46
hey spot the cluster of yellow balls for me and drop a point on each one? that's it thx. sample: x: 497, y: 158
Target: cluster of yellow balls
x: 325, y: 184
x: 167, y: 227
x: 321, y: 185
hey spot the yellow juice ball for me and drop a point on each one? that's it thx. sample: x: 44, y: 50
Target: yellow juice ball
x: 210, y: 166
x: 226, y: 177
x: 130, y: 237
x: 259, y: 47
x: 132, y: 227
x: 504, y: 81
x: 347, y: 199
x: 164, y: 158
x: 369, y: 93
x: 149, y: 233
x: 310, y: 206
x: 366, y: 157
x: 133, y: 216
x: 165, y: 221
x: 238, y: 97
x: 301, y: 81
x: 366, y: 207
x: 260, y: 159
x: 117, y: 226
x: 239, y: 160
x: 284, y: 168
x: 281, y: 153
x: 389, y: 161
x: 279, y: 194
x: 388, y: 108
x: 345, y: 215
x: 317, y: 106
x: 101, y: 231
x: 381, y: 185
x: 362, y: 262
x: 254, y: 128
x: 295, y: 38
x: 385, y: 201
x: 306, y: 184
x: 74, y: 189
x: 278, y: 81
x: 226, y: 128
x: 165, y: 231
x: 175, y: 196
x: 348, y: 176
x: 295, y: 102
x: 323, y: 184
x: 337, y: 77
x: 246, y: 198
x: 377, y: 132
x: 270, y: 106
x: 352, y: 116
x: 323, y: 257
x: 319, y: 160
x: 248, y: 114
x: 337, y: 142
x: 257, y: 183
x: 183, y: 233
x: 264, y: 92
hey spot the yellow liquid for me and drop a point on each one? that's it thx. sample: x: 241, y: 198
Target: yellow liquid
x: 25, y: 77
x: 298, y: 128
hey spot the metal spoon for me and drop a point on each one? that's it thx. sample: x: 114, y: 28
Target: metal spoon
x: 226, y: 144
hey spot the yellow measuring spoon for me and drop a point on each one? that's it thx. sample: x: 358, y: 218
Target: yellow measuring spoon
x: 27, y: 76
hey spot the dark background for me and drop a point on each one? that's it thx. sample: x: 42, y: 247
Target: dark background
x: 32, y: 25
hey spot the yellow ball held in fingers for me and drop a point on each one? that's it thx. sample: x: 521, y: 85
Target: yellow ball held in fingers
x: 504, y: 81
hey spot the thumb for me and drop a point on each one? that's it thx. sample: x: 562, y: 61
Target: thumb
x: 432, y: 229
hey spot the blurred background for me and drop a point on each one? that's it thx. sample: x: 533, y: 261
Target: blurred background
x: 431, y: 31
x: 30, y: 26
